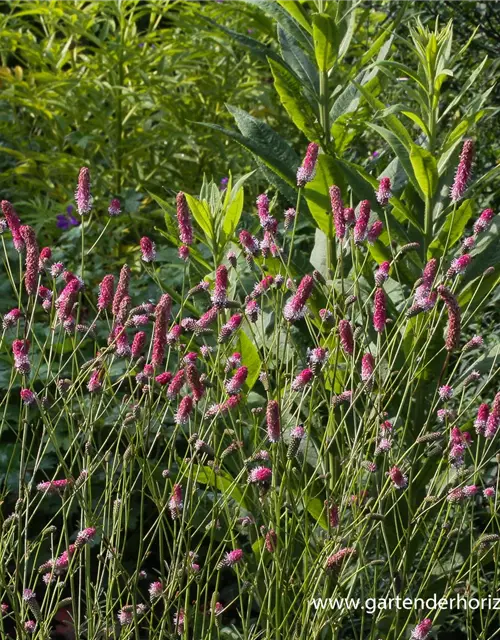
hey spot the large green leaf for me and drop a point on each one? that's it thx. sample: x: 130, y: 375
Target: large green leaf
x: 298, y: 61
x: 478, y: 289
x: 451, y: 231
x: 316, y: 192
x: 296, y: 10
x: 201, y: 213
x: 298, y: 108
x: 326, y: 40
x: 233, y: 213
x: 398, y: 147
x: 249, y: 358
x: 221, y: 481
x: 425, y: 170
x: 285, y: 20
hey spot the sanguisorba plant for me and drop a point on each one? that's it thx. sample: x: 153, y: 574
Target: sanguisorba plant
x: 206, y: 465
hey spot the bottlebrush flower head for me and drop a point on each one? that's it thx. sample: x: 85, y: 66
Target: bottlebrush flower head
x: 120, y: 338
x: 114, y: 208
x: 230, y: 327
x: 176, y: 384
x: 164, y: 378
x: 28, y: 397
x: 273, y: 421
x: 82, y: 193
x: 290, y: 215
x: 459, y: 265
x: 106, y: 291
x: 249, y: 243
x: 219, y: 297
x: 54, y: 486
x: 235, y: 384
x: 45, y: 256
x: 384, y: 192
x: 260, y: 475
x: 295, y: 308
x: 422, y: 630
x: 233, y: 362
x: 20, y: 350
x: 184, y: 252
x: 453, y: 329
x: 121, y: 289
x: 474, y: 343
x: 463, y: 172
x: 85, y: 536
x: 367, y: 367
x: 399, y: 480
x: 335, y: 561
x: 267, y: 221
x: 56, y: 269
x: 162, y: 318
x: 307, y: 170
x: 261, y: 287
x: 175, y: 504
x: 317, y: 356
x: 302, y: 380
x: 445, y: 392
x: 492, y: 424
x: 484, y: 221
x: 184, y: 410
x: 346, y: 337
x: 125, y: 306
x: 271, y: 541
x: 138, y: 344
x: 32, y: 259
x: 489, y: 492
x: 374, y: 231
x: 349, y: 217
x: 95, y: 381
x: 14, y: 224
x: 231, y: 558
x: 468, y: 244
x: 193, y: 380
x: 11, y: 318
x: 155, y: 591
x: 174, y: 335
x: 361, y: 226
x: 379, y: 313
x: 252, y: 310
x: 332, y: 511
x: 148, y: 249
x: 382, y: 273
x: 343, y: 398
x: 338, y: 212
x: 184, y: 220
x: 206, y: 319
x: 297, y: 434
x: 429, y: 273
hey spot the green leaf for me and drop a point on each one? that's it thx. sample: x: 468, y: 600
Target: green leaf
x: 319, y: 255
x: 298, y: 108
x: 399, y: 149
x: 316, y: 192
x: 478, y: 289
x: 201, y: 213
x: 317, y: 509
x: 250, y: 358
x: 221, y: 481
x: 326, y: 40
x: 297, y: 12
x: 233, y: 213
x: 298, y: 61
x: 425, y: 169
x: 451, y: 231
x: 284, y: 18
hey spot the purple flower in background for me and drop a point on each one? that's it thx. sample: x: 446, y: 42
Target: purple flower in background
x: 223, y: 183
x: 62, y: 222
x: 65, y: 220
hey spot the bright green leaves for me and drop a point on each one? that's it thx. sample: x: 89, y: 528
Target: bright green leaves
x: 249, y: 358
x: 201, y: 213
x: 425, y: 170
x: 316, y: 192
x: 451, y: 231
x: 326, y: 41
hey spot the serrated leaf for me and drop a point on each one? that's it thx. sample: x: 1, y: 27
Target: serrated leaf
x: 298, y: 61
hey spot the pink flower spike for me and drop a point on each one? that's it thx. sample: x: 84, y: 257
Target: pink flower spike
x: 14, y: 225
x: 32, y: 259
x: 121, y: 289
x: 184, y: 220
x: 193, y: 380
x: 184, y: 252
x: 230, y: 327
x: 422, y: 630
x: 399, y: 480
x: 273, y: 421
x: 290, y: 215
x: 138, y: 344
x: 162, y: 318
x: 382, y: 273
x: 176, y: 384
x: 459, y: 265
x: 379, y: 313
x: 231, y: 558
x: 28, y: 397
x: 249, y: 243
x: 346, y: 337
x: 361, y: 226
x: 114, y: 208
x: 295, y: 308
x: 267, y: 221
x: 454, y: 324
x: 260, y: 475
x: 82, y: 193
x: 338, y: 212
x: 349, y: 217
x: 155, y: 591
x: 184, y: 410
x: 106, y: 290
x: 164, y: 378
x: 374, y: 232
x: 11, y: 318
x: 302, y: 380
x: 445, y: 392
x: 307, y: 170
x: 235, y: 384
x: 463, y: 171
x: 148, y: 249
x: 175, y: 503
x: 481, y: 418
x: 85, y: 536
x: 384, y: 192
x: 484, y: 221
x: 219, y: 297
x: 489, y: 492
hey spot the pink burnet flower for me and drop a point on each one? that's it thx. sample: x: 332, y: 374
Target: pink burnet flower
x: 106, y: 291
x: 121, y: 289
x: 290, y: 215
x: 367, y: 367
x: 14, y: 224
x: 482, y: 418
x: 336, y: 560
x: 484, y: 221
x: 184, y: 410
x: 95, y: 381
x: 126, y: 615
x: 332, y: 512
x: 474, y: 343
x: 44, y: 258
x: 307, y: 170
x: 194, y: 383
x: 184, y: 220
x: 456, y: 455
x: 342, y: 398
x: 30, y: 626
x: 273, y: 421
x: 155, y: 591
x: 295, y: 308
x: 384, y: 445
x: 429, y: 272
x: 453, y: 328
x: 179, y: 620
x: 138, y: 344
x: 28, y: 397
x: 327, y: 317
x: 20, y: 352
x: 56, y: 269
x: 386, y: 427
x: 231, y: 326
x: 302, y: 380
x: 361, y: 226
x: 445, y: 392
x: 54, y: 486
x: 138, y: 320
x: 267, y: 221
x: 382, y: 273
x: 260, y: 475
x: 231, y: 558
x: 268, y: 245
x: 228, y: 405
x: 468, y: 244
x: 422, y: 630
x: 32, y: 259
x: 235, y: 384
x: 262, y: 287
x: 271, y: 541
x: 489, y: 492
x: 297, y: 434
x: 379, y: 313
x: 317, y: 356
x: 374, y: 232
x: 123, y: 312
x: 206, y: 319
x: 384, y: 192
x: 492, y: 424
x: 470, y: 490
x: 459, y: 265
x: 249, y: 243
x: 162, y: 318
x: 252, y: 310
x: 85, y: 537
x: 176, y: 384
x: 4, y: 609
x: 205, y: 351
x: 463, y: 172
x: 174, y: 334
x: 67, y: 298
x: 184, y: 252
x: 219, y: 296
x: 82, y: 194
x: 338, y: 212
x: 164, y: 378
x: 445, y: 414
x: 495, y: 407
x: 349, y: 217
x: 11, y: 318
x: 148, y: 249
x: 176, y: 504
x: 114, y: 208
x: 455, y: 495
x: 398, y: 478
x: 120, y: 338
